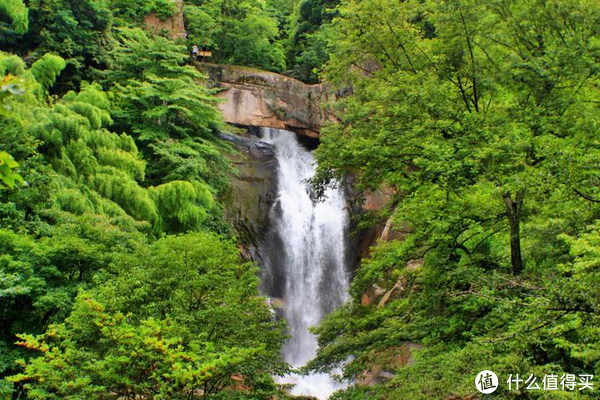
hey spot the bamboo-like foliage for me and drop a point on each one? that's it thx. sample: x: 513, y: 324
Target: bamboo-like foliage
x: 88, y: 212
x: 46, y: 70
x: 120, y: 188
x: 17, y: 12
x: 81, y: 147
x: 182, y: 205
x: 11, y: 64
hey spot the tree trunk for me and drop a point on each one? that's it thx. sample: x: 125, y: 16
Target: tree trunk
x: 513, y: 208
x: 17, y: 391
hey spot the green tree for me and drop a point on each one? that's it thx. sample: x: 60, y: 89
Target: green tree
x: 108, y: 171
x: 237, y: 32
x: 183, y: 319
x: 59, y: 230
x: 76, y: 31
x: 481, y: 117
x: 306, y: 48
x: 8, y: 177
x: 171, y: 114
x: 252, y: 42
x: 131, y: 13
x: 182, y: 204
x: 159, y: 97
x: 47, y: 69
x: 17, y: 11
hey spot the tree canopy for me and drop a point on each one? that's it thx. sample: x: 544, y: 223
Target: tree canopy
x: 482, y: 118
x: 236, y: 32
x: 111, y: 177
x: 181, y: 321
x: 120, y: 277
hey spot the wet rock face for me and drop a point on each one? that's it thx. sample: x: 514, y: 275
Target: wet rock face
x: 260, y: 98
x: 253, y: 191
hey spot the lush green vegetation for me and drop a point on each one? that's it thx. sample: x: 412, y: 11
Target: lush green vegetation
x: 307, y: 46
x: 243, y: 32
x: 118, y: 275
x: 179, y: 319
x: 276, y: 35
x: 482, y: 117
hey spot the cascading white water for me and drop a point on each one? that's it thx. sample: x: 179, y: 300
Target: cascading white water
x: 311, y: 249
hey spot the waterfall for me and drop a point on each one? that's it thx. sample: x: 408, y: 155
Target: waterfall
x: 304, y: 257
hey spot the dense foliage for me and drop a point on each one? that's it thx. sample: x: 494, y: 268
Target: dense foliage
x: 482, y: 118
x: 119, y: 277
x: 307, y: 46
x: 271, y: 34
x: 275, y: 35
x: 177, y: 320
x: 243, y: 32
x: 78, y: 31
x: 117, y: 271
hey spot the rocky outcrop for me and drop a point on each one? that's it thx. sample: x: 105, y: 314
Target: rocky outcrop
x: 385, y: 363
x: 174, y: 25
x: 254, y: 97
x: 253, y: 190
x: 362, y: 204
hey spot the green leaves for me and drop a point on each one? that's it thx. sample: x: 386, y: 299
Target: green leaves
x: 251, y: 41
x: 8, y: 178
x: 10, y: 86
x: 158, y: 97
x: 467, y: 111
x: 162, y: 108
x: 46, y: 70
x: 182, y: 205
x: 174, y: 118
x: 100, y: 306
x: 307, y: 48
x: 77, y: 32
x: 181, y: 320
x: 17, y: 12
x: 236, y: 32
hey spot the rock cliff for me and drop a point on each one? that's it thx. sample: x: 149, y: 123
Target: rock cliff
x: 256, y: 98
x: 252, y: 192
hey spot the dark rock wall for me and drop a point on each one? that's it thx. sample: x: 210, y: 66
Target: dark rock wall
x: 253, y: 191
